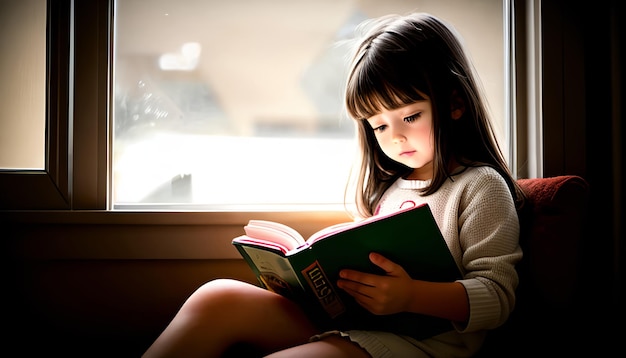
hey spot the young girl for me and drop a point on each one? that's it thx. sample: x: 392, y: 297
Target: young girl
x: 426, y: 138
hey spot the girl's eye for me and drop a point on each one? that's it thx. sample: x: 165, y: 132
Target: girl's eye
x: 412, y: 118
x: 380, y: 128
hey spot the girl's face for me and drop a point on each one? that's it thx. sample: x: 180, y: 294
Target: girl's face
x: 405, y: 135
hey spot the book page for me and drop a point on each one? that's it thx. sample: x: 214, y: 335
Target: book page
x: 281, y: 234
x: 327, y: 231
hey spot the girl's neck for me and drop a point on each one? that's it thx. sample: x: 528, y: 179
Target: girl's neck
x: 423, y: 173
x: 417, y: 175
x: 426, y: 173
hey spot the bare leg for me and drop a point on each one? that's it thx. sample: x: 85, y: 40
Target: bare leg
x: 329, y: 347
x: 225, y: 312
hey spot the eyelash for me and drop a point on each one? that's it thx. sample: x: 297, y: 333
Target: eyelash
x: 409, y: 119
x: 412, y: 118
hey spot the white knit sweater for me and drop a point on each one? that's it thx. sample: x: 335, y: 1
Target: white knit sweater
x: 477, y: 216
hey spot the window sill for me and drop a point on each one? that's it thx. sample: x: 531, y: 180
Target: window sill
x: 114, y: 235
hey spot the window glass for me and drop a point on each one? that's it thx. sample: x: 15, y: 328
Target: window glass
x: 23, y: 73
x: 238, y: 104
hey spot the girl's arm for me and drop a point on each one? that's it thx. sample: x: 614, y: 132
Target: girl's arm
x: 441, y: 299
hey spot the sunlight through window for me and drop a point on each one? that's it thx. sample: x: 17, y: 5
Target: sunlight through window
x: 233, y: 105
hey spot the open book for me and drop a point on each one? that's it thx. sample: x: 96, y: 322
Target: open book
x: 306, y: 270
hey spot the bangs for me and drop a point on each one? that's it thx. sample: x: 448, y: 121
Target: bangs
x: 370, y: 89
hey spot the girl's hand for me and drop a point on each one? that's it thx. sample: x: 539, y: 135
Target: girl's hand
x: 379, y: 294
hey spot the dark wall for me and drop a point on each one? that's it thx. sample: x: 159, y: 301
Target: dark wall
x: 583, y: 96
x: 98, y: 308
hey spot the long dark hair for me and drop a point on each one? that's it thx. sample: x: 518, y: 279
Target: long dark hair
x: 398, y: 61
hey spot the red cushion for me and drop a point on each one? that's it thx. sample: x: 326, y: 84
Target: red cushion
x: 552, y: 225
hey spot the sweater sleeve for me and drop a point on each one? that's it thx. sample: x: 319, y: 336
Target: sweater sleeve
x: 489, y: 238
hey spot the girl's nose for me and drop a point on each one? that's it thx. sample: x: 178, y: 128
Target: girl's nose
x: 398, y: 137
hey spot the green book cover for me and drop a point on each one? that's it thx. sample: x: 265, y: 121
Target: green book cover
x: 307, y: 271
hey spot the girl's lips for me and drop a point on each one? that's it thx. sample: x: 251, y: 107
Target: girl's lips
x: 407, y: 153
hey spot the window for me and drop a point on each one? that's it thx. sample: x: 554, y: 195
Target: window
x: 237, y: 105
x: 23, y: 65
x: 87, y: 158
x: 72, y: 196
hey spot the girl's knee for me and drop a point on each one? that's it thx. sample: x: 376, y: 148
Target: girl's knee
x: 222, y: 294
x: 226, y: 287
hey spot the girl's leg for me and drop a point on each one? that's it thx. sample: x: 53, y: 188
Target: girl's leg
x: 225, y: 312
x: 329, y: 347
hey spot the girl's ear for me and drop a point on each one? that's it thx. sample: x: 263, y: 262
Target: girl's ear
x: 457, y: 106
